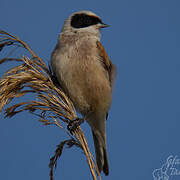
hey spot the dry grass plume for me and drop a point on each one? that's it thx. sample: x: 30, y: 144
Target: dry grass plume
x: 50, y: 103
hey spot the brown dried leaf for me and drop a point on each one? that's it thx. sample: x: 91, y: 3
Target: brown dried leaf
x: 53, y: 160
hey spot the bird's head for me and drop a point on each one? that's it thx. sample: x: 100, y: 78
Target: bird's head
x: 83, y: 22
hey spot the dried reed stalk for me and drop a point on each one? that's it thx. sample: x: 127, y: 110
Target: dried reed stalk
x: 50, y: 103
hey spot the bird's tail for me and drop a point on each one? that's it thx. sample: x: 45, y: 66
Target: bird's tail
x: 101, y: 153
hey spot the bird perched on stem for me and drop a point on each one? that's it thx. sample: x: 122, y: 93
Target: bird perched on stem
x: 86, y: 74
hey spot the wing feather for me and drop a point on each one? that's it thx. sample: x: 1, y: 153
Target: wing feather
x: 106, y: 62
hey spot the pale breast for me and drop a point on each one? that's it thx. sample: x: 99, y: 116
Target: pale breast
x: 78, y: 68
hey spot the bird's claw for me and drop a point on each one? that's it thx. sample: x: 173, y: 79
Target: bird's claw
x: 73, y: 124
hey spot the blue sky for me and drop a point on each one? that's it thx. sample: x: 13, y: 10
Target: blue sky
x: 143, y: 126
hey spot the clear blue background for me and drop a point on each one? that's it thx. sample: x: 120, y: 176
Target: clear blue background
x: 143, y: 128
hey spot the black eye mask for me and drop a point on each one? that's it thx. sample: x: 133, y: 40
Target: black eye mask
x: 84, y: 20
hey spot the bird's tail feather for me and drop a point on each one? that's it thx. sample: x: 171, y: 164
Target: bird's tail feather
x: 101, y: 153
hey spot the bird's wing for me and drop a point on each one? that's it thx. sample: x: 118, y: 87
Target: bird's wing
x: 106, y: 62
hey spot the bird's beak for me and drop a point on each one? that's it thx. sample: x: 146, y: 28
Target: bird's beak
x: 104, y: 25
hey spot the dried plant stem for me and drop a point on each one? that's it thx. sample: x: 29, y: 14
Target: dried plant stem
x: 80, y: 136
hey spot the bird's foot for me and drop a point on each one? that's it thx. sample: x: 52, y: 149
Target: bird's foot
x: 73, y: 124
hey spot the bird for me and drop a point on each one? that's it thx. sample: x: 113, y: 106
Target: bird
x: 86, y: 74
